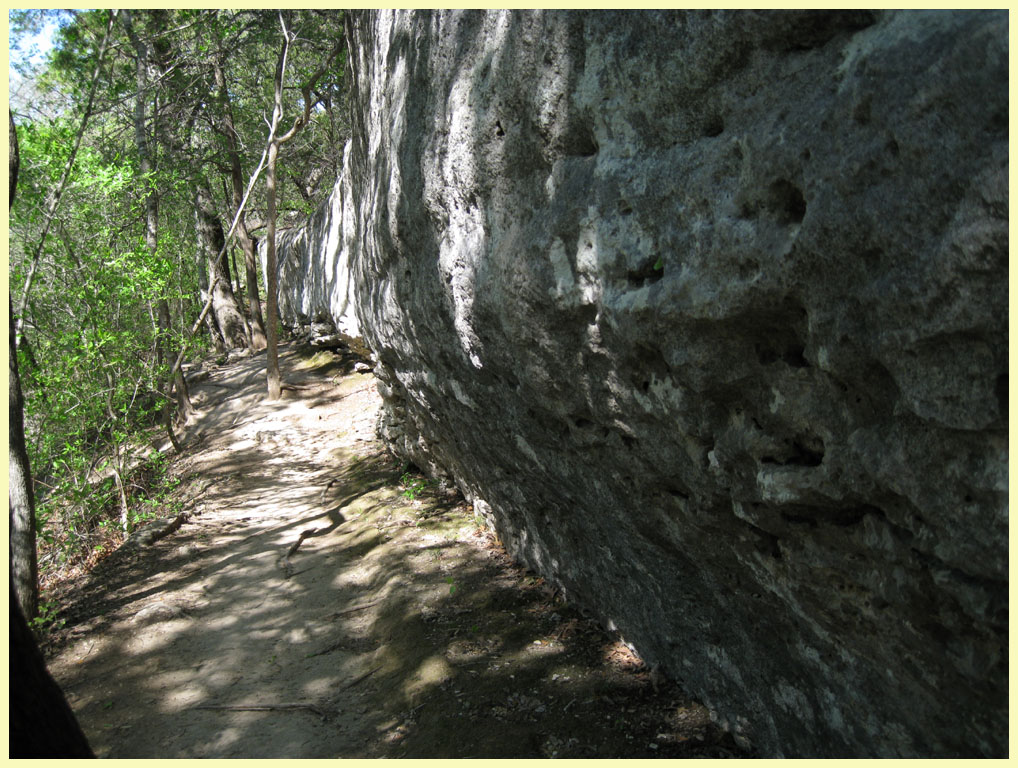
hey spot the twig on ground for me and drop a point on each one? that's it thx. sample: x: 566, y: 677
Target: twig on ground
x: 262, y: 708
x: 360, y: 678
x: 303, y: 535
x: 334, y: 647
x: 321, y: 499
x: 356, y: 608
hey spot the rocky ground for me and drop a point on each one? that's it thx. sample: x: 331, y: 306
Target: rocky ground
x: 315, y: 599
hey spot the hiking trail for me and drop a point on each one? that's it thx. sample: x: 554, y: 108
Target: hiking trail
x: 302, y: 602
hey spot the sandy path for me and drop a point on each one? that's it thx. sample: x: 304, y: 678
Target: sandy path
x: 306, y: 609
x: 223, y: 619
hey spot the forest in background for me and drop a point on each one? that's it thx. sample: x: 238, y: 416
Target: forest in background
x: 146, y: 138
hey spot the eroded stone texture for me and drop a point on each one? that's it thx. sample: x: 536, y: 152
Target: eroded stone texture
x: 707, y: 312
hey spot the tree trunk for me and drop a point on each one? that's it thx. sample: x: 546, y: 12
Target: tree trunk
x: 24, y: 565
x: 271, y: 310
x: 145, y: 167
x: 229, y: 318
x: 247, y: 243
x: 183, y: 398
x: 41, y: 722
x: 274, y: 143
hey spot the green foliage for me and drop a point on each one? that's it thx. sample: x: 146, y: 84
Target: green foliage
x: 413, y: 487
x: 47, y: 618
x: 89, y: 357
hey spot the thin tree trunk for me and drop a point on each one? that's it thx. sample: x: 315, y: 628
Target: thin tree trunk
x: 247, y: 243
x: 275, y: 142
x: 184, y: 409
x: 233, y: 226
x: 145, y: 167
x: 24, y: 564
x: 21, y: 495
x: 271, y: 288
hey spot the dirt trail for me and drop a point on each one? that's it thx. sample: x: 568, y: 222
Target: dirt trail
x: 307, y: 609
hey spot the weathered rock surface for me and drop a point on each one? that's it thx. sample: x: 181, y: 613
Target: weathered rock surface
x: 314, y: 274
x: 707, y: 312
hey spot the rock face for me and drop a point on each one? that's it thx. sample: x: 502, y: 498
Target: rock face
x: 707, y: 314
x: 314, y: 273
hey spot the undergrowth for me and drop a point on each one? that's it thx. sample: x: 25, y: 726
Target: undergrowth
x: 79, y: 525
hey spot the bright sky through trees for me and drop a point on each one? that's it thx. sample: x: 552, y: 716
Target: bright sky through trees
x: 31, y: 49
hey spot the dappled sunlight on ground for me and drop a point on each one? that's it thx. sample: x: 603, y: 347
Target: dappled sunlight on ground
x: 308, y: 609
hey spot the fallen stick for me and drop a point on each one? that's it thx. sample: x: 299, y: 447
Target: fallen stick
x: 262, y: 708
x: 334, y: 647
x: 361, y: 678
x: 303, y: 535
x: 321, y: 499
x: 356, y: 608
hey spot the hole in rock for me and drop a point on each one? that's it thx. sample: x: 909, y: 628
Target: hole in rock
x: 798, y: 519
x: 805, y: 451
x: 714, y: 126
x: 807, y: 456
x: 846, y: 517
x: 650, y: 271
x: 647, y: 363
x: 787, y: 202
x: 795, y: 356
x: 583, y: 144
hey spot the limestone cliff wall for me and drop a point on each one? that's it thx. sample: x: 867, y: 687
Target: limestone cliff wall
x: 707, y: 313
x: 314, y: 276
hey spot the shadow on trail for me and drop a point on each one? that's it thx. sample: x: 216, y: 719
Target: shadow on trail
x: 308, y: 609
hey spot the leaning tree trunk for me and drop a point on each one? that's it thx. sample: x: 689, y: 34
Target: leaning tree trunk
x: 41, y: 721
x: 274, y: 143
x: 229, y: 317
x: 185, y: 410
